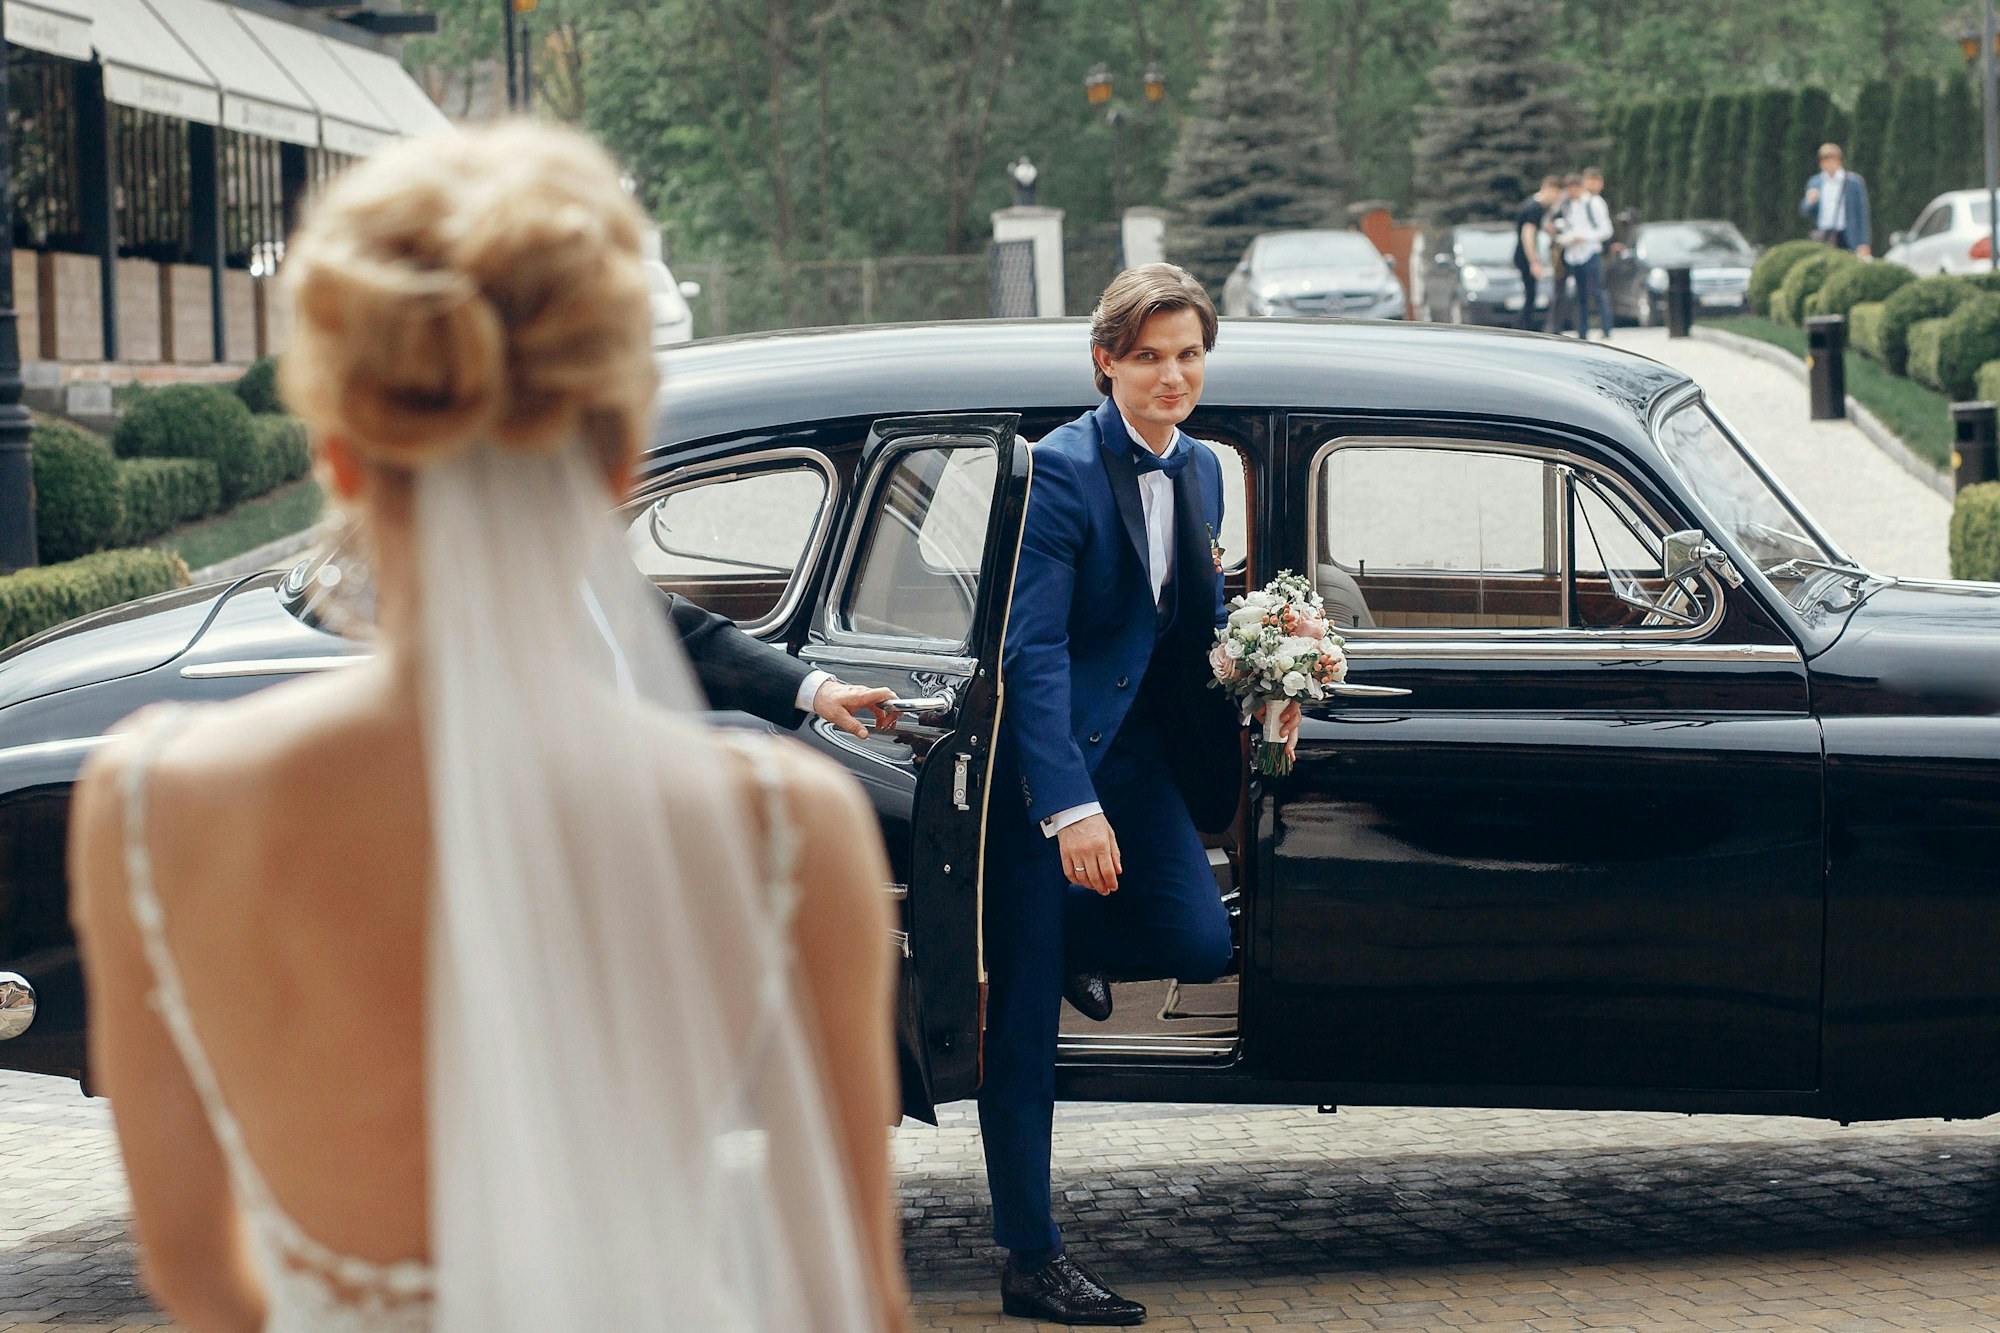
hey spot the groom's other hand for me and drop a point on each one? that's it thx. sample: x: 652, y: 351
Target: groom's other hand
x: 838, y: 702
x: 1090, y: 854
x: 1288, y: 727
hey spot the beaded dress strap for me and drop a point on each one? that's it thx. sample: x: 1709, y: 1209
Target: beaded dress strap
x: 781, y: 835
x: 405, y: 1279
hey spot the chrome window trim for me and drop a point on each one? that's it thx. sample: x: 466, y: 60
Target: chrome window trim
x: 760, y: 461
x: 866, y: 654
x: 1547, y: 454
x: 269, y: 666
x: 1571, y: 649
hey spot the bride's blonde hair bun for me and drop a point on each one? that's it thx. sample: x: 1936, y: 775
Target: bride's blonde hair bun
x: 478, y: 285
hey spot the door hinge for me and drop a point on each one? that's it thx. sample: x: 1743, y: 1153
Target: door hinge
x: 961, y: 781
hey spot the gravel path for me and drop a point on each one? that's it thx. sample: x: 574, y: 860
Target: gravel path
x: 1883, y: 516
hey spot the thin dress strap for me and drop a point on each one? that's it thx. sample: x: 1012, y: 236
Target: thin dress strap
x: 781, y: 835
x: 390, y: 1283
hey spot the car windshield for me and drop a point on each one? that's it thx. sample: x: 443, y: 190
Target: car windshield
x: 1315, y: 249
x: 1486, y: 246
x: 1752, y: 514
x: 1694, y: 243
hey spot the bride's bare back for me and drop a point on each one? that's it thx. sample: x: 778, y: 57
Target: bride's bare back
x: 290, y: 839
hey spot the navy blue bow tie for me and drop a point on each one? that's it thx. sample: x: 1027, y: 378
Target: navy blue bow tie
x: 1145, y: 460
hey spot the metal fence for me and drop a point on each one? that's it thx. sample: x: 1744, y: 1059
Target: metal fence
x: 748, y: 296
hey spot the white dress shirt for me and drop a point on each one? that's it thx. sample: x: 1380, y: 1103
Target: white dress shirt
x: 1587, y: 222
x: 1833, y: 200
x: 809, y: 689
x: 1156, y: 497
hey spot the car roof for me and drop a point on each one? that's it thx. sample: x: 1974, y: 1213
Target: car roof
x: 759, y: 382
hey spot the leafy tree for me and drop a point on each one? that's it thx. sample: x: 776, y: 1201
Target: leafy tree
x: 1909, y: 153
x: 1870, y: 126
x: 1504, y: 115
x: 1256, y: 155
x: 1767, y: 177
x: 1961, y: 159
x: 1708, y: 162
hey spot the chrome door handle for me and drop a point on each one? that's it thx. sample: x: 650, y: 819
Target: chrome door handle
x: 943, y: 701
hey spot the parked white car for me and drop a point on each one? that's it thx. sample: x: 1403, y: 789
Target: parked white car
x: 673, y: 318
x: 1952, y: 235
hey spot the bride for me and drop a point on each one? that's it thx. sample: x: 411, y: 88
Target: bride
x: 479, y: 986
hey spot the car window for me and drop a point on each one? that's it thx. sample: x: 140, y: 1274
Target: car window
x: 734, y: 544
x: 1620, y: 580
x: 1421, y: 537
x: 1233, y: 539
x: 1483, y: 245
x: 1933, y: 223
x: 1314, y: 249
x: 917, y: 572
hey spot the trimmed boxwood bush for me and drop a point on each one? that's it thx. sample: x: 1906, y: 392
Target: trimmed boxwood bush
x: 1855, y: 283
x: 77, y: 504
x: 283, y: 441
x: 1986, y: 384
x: 1781, y: 306
x: 163, y: 493
x: 1772, y: 266
x: 1864, y: 328
x: 1971, y: 338
x: 1808, y: 276
x: 1975, y: 533
x: 1926, y: 298
x: 1926, y: 343
x: 195, y: 421
x: 258, y: 386
x: 32, y: 600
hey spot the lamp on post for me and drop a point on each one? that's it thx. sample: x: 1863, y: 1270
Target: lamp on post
x: 17, y: 459
x: 1097, y: 90
x: 1979, y: 46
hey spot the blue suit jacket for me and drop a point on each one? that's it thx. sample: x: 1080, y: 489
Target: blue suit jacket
x: 1854, y: 228
x: 1081, y: 631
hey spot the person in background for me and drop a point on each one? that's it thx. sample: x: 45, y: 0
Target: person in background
x: 1584, y: 228
x: 1528, y: 220
x: 1836, y: 203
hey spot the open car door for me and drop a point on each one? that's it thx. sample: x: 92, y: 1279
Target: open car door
x: 918, y: 603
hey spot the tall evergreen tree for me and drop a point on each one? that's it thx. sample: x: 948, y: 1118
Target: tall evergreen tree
x: 1659, y: 171
x: 1676, y: 166
x: 1633, y: 135
x: 1257, y: 154
x: 1870, y: 126
x: 1708, y: 163
x: 1961, y: 163
x: 1729, y: 199
x: 1503, y: 116
x: 1768, y: 179
x: 1803, y: 137
x: 1909, y: 154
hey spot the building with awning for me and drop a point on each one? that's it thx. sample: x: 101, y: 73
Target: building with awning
x: 161, y: 151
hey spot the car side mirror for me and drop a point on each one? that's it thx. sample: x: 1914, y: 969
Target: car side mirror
x: 1690, y: 551
x: 690, y: 289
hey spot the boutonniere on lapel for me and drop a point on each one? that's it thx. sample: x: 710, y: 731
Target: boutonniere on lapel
x: 1214, y: 547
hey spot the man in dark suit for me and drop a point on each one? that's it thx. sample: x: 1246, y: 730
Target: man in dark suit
x: 1117, y: 747
x: 743, y: 674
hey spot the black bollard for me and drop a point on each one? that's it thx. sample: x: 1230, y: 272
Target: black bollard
x: 1826, y: 365
x: 1975, y: 445
x: 1680, y: 302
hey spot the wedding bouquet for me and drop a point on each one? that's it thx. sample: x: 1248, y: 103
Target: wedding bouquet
x: 1276, y: 647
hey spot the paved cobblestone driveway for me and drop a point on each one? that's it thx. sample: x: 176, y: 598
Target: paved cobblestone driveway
x: 1282, y: 1219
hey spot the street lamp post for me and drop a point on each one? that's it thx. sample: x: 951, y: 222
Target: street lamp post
x: 1097, y: 90
x: 17, y: 459
x: 1992, y: 141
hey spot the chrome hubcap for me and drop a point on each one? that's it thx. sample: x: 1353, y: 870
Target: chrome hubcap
x: 17, y: 1005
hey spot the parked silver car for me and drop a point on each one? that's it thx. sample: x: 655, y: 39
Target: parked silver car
x: 1952, y: 235
x: 1314, y: 273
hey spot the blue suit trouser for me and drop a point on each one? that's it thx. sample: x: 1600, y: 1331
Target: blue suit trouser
x: 1591, y: 294
x: 1165, y: 920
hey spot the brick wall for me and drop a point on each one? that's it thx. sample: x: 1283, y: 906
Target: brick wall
x: 239, y: 316
x: 138, y: 310
x: 71, y: 308
x: 27, y: 304
x: 185, y: 297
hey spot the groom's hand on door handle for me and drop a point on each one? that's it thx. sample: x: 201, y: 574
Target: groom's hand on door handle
x: 1089, y: 851
x: 838, y: 702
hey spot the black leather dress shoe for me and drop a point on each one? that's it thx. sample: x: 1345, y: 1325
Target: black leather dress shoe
x: 1063, y: 1291
x: 1089, y: 994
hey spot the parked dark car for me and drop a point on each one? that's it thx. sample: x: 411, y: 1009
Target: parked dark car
x: 1466, y: 275
x: 1314, y: 273
x: 1718, y: 255
x: 1683, y: 812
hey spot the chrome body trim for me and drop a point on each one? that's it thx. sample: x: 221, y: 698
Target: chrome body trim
x: 1563, y: 458
x: 269, y: 666
x: 897, y: 892
x: 901, y: 939
x: 1571, y: 650
x: 951, y: 663
x: 17, y: 1005
x: 54, y: 749
x: 763, y: 460
x: 1090, y: 1048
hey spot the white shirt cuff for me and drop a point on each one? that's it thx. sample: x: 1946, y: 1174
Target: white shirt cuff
x: 1062, y: 819
x: 809, y: 689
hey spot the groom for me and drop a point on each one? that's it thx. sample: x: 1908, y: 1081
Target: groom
x: 1119, y: 750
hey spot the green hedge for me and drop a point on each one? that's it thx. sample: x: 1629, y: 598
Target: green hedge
x: 33, y: 600
x: 77, y: 505
x: 1772, y: 266
x: 1854, y: 284
x: 1926, y: 298
x: 1971, y: 339
x: 1808, y: 276
x: 1864, y: 328
x: 1986, y: 384
x: 258, y: 386
x: 1781, y: 307
x: 163, y: 493
x: 195, y: 421
x: 1975, y: 533
x: 282, y: 440
x: 1926, y: 347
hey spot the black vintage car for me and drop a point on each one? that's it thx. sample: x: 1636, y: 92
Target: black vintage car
x: 1683, y: 810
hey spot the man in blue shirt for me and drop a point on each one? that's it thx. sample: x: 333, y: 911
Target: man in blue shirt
x: 1836, y: 203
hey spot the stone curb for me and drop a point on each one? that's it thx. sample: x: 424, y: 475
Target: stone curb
x: 267, y: 555
x: 1864, y: 421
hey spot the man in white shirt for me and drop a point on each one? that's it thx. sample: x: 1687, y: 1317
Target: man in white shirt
x: 1836, y: 203
x: 1584, y: 228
